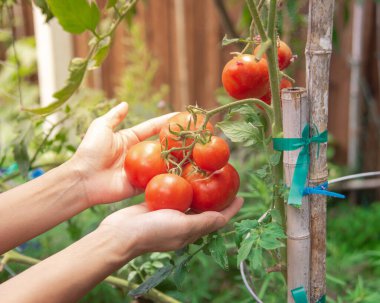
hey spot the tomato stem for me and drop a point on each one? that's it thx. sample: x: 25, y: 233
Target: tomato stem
x: 276, y: 102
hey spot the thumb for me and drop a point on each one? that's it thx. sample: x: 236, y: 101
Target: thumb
x: 115, y: 115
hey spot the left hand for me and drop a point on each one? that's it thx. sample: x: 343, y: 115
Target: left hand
x: 137, y: 230
x: 100, y: 157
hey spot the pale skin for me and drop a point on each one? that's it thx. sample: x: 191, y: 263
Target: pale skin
x: 94, y: 175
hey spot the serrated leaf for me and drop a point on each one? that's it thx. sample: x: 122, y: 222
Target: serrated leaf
x: 100, y: 53
x: 75, y: 16
x: 239, y: 131
x: 245, y: 248
x: 111, y: 3
x: 274, y: 230
x: 180, y: 272
x: 20, y: 153
x: 270, y: 243
x: 153, y: 281
x: 262, y: 172
x: 246, y: 226
x: 274, y: 158
x: 256, y: 258
x: 218, y: 251
x: 250, y: 114
x: 44, y: 9
x: 77, y: 71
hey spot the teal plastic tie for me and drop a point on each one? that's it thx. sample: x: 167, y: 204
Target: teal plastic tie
x: 302, y: 166
x: 300, y: 296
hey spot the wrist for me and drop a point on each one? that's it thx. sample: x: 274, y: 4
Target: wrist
x: 78, y: 172
x: 123, y: 248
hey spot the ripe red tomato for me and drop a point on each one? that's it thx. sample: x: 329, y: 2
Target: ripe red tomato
x: 186, y: 121
x: 215, y: 191
x: 244, y: 77
x: 284, y: 54
x: 143, y: 161
x: 285, y: 83
x: 213, y: 155
x: 168, y: 191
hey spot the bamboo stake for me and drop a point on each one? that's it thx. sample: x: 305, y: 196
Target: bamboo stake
x: 318, y: 53
x: 295, y: 115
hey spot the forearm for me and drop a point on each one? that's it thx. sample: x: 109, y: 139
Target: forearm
x: 38, y: 205
x: 70, y: 274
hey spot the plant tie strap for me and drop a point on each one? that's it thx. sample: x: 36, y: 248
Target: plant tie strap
x: 322, y: 190
x: 299, y: 296
x: 302, y: 166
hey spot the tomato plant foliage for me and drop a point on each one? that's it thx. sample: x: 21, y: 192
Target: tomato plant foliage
x: 75, y: 16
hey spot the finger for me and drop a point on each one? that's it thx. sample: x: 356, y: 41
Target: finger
x: 210, y: 221
x: 115, y: 115
x: 135, y: 210
x: 233, y: 209
x: 205, y: 223
x: 146, y: 129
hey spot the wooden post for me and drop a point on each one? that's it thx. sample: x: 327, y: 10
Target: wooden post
x: 355, y: 81
x: 181, y: 48
x: 295, y: 115
x: 318, y: 53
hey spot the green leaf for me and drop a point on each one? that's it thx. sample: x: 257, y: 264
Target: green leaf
x: 256, y: 258
x: 153, y: 281
x: 250, y: 114
x: 245, y: 248
x: 274, y: 230
x: 262, y: 172
x: 218, y: 251
x: 44, y: 9
x: 269, y: 238
x: 101, y: 53
x: 75, y: 16
x: 274, y: 158
x: 20, y: 153
x: 132, y: 275
x: 180, y: 271
x: 239, y: 131
x: 111, y: 3
x: 270, y: 243
x: 77, y: 70
x: 246, y: 226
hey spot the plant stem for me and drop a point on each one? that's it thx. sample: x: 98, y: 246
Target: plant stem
x: 153, y: 294
x: 276, y: 102
x: 219, y: 109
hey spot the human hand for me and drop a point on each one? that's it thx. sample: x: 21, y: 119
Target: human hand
x: 100, y: 157
x: 165, y: 229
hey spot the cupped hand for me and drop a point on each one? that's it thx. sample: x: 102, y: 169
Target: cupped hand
x: 100, y: 157
x: 163, y: 230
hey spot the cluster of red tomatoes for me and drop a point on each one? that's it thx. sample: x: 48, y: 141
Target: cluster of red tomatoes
x: 246, y: 77
x: 206, y: 181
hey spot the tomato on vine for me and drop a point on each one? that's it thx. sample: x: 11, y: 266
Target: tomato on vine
x: 285, y: 83
x: 142, y: 162
x: 245, y: 77
x: 168, y: 191
x: 180, y: 122
x: 212, y: 192
x: 212, y: 155
x: 284, y: 54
